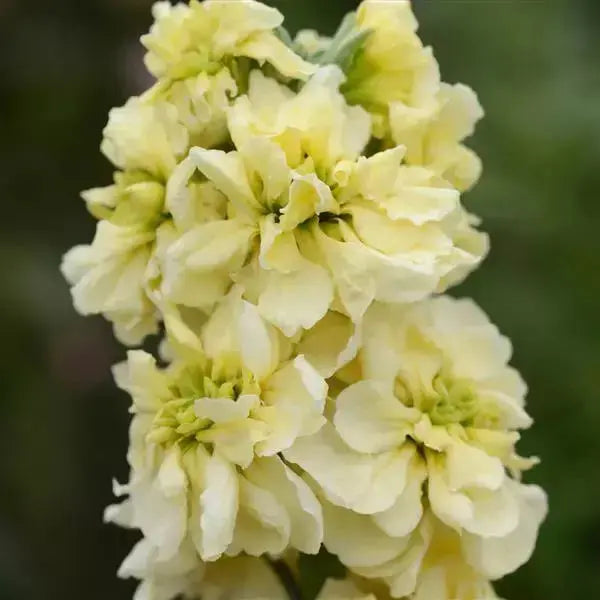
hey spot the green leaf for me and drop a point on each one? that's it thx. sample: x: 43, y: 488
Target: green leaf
x: 346, y: 44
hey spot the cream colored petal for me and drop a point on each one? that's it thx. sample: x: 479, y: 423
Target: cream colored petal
x: 235, y: 440
x: 351, y: 267
x: 296, y: 300
x: 339, y: 470
x: 190, y: 202
x: 308, y: 196
x: 370, y: 419
x: 374, y: 177
x: 242, y: 19
x: 478, y: 354
x: 364, y: 483
x: 177, y: 192
x: 109, y: 275
x: 403, y: 571
x: 508, y: 382
x: 498, y: 556
x: 258, y: 342
x: 420, y: 205
x: 131, y: 329
x: 140, y: 377
x: 380, y: 352
x: 331, y: 343
x: 219, y: 504
x: 400, y: 277
x: 265, y: 158
x: 220, y: 334
x: 278, y: 248
x: 212, y: 245
x: 511, y: 413
x: 463, y: 330
x: 172, y: 479
x: 226, y: 170
x: 467, y: 466
x: 405, y: 514
x: 195, y: 289
x: 145, y: 137
x: 460, y: 112
x: 119, y: 514
x: 452, y: 507
x: 263, y: 525
x: 293, y: 403
x: 143, y: 562
x: 495, y: 512
x: 162, y: 518
x: 241, y: 578
x: 225, y: 410
x: 435, y: 437
x: 182, y: 337
x: 293, y: 493
x: 266, y: 47
x: 356, y: 540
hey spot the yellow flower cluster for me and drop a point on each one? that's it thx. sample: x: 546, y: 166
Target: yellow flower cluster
x: 287, y: 213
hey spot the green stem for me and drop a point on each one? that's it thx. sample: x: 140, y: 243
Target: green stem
x: 286, y: 577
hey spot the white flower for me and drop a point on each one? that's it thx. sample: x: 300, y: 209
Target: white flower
x: 430, y: 408
x: 206, y: 434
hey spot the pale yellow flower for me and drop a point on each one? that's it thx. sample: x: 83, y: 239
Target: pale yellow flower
x: 392, y: 66
x: 397, y: 80
x: 239, y: 578
x: 200, y: 103
x: 206, y: 434
x: 110, y: 276
x: 309, y: 224
x: 430, y: 408
x: 428, y: 564
x: 205, y: 36
x: 202, y: 54
x: 435, y: 141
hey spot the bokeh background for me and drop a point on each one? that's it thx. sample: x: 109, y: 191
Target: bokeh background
x: 63, y: 426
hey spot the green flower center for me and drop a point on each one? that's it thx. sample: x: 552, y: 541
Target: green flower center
x: 176, y: 422
x: 446, y: 402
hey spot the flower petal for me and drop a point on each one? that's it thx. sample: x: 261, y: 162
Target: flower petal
x: 263, y: 525
x: 219, y: 504
x: 370, y: 419
x: 331, y: 343
x: 303, y: 508
x: 296, y: 300
x: 364, y: 483
x: 356, y: 540
x: 498, y: 556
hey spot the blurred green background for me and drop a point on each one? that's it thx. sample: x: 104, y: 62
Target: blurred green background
x: 63, y: 426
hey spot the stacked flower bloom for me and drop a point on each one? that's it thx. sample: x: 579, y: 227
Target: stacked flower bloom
x: 287, y: 214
